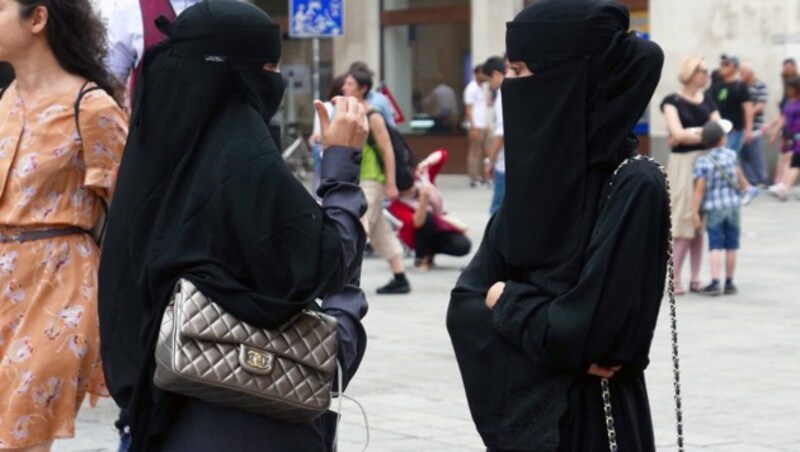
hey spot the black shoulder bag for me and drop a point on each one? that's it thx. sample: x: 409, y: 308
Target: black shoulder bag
x: 99, y: 230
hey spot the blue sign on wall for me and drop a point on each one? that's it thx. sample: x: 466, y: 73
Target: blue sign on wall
x: 316, y: 18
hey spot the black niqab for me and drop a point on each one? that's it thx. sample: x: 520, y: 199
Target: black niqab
x: 563, y: 121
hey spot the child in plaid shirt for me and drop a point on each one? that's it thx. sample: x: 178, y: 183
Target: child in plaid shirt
x: 718, y: 186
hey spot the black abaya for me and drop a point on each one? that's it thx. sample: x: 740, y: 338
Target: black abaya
x: 524, y: 365
x: 584, y: 269
x: 204, y: 194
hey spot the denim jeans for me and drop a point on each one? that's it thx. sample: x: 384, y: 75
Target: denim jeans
x: 752, y: 160
x: 124, y: 442
x: 736, y: 140
x: 499, y: 191
x: 724, y: 228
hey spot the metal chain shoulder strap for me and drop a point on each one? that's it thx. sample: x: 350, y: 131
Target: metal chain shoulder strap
x: 607, y: 409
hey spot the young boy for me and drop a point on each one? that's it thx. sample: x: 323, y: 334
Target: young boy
x: 718, y: 186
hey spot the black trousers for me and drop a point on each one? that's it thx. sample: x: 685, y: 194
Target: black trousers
x: 428, y: 241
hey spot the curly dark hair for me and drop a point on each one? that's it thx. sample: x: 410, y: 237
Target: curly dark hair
x: 77, y: 37
x: 6, y: 75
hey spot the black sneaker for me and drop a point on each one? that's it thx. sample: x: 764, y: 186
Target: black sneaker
x: 711, y: 290
x: 730, y: 289
x: 395, y: 287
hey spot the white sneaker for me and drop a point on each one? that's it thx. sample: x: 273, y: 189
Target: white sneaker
x: 751, y: 194
x: 780, y: 191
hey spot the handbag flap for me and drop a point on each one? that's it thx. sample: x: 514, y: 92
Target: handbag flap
x: 308, y: 338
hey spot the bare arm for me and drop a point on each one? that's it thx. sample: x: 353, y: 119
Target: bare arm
x: 468, y: 114
x: 758, y: 108
x: 432, y: 159
x: 748, y: 120
x: 743, y: 184
x: 699, y: 193
x: 497, y: 144
x: 775, y: 129
x: 422, y: 209
x: 676, y: 130
x: 378, y: 127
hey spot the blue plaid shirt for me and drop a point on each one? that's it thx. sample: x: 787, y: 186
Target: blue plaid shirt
x: 719, y: 192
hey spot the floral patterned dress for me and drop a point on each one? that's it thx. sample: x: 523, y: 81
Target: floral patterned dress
x: 51, y: 177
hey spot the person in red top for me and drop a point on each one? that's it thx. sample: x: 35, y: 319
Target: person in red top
x: 427, y: 228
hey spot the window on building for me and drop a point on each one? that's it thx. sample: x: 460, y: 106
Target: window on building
x: 426, y: 61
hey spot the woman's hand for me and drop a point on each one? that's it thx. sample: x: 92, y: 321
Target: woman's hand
x: 672, y: 142
x: 349, y: 127
x: 494, y: 294
x: 603, y: 372
x: 391, y: 192
x: 698, y: 223
x: 422, y: 168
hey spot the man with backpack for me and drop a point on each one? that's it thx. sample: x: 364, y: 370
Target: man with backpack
x: 384, y: 163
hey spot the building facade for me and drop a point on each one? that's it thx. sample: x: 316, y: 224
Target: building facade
x: 411, y: 45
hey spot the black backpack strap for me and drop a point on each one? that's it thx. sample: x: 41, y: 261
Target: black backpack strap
x: 77, y: 106
x: 85, y: 89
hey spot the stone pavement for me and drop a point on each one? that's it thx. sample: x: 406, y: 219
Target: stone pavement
x: 740, y: 355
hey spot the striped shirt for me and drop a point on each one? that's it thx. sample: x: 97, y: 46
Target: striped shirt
x: 720, y: 193
x: 759, y: 94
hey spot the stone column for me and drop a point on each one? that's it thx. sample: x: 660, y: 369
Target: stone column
x: 488, y: 21
x: 361, y: 40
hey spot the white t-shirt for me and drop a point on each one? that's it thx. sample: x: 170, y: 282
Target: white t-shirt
x: 126, y: 33
x: 475, y: 96
x: 500, y: 165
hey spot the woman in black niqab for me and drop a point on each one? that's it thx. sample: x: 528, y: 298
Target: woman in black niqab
x: 574, y: 268
x: 203, y: 194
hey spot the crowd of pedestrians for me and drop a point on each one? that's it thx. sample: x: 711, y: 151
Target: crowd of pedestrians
x: 712, y: 177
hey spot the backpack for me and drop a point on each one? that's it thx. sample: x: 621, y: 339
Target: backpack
x: 403, y: 156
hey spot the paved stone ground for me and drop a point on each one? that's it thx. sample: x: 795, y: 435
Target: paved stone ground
x: 740, y: 355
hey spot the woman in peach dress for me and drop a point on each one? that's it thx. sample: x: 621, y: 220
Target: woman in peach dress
x: 54, y: 180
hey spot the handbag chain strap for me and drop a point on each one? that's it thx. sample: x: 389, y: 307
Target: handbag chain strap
x: 676, y: 372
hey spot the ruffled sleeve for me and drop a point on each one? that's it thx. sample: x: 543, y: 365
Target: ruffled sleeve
x: 103, y: 132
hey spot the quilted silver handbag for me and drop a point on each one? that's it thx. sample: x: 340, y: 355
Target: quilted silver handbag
x: 284, y: 373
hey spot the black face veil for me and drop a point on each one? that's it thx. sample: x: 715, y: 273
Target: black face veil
x: 592, y: 81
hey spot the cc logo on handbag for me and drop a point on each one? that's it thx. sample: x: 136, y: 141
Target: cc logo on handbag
x: 256, y: 361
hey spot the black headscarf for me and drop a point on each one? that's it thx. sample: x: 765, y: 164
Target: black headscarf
x: 203, y: 194
x: 593, y: 80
